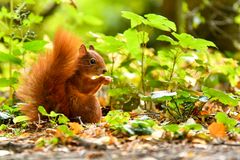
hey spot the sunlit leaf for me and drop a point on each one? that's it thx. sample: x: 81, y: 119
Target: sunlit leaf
x: 160, y: 22
x: 20, y: 119
x: 171, y: 128
x: 222, y: 117
x: 35, y: 46
x: 135, y: 19
x: 160, y: 94
x: 53, y: 114
x: 63, y: 130
x: 3, y: 127
x: 62, y: 119
x: 4, y: 82
x: 35, y: 18
x: 117, y: 118
x: 10, y: 58
x: 219, y: 95
x: 42, y: 110
x: 167, y: 39
x: 133, y: 42
x: 188, y: 41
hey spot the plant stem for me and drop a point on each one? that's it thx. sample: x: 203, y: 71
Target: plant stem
x: 112, y: 69
x: 11, y: 50
x: 173, y: 67
x: 142, y: 70
x: 170, y: 113
x: 178, y: 110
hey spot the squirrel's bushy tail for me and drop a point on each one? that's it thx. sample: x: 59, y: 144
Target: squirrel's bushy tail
x: 44, y: 85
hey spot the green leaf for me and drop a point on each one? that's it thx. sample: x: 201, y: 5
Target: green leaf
x: 171, y: 128
x: 167, y: 39
x: 134, y: 18
x: 3, y: 127
x: 162, y: 95
x: 119, y: 91
x: 4, y: 82
x: 110, y: 44
x: 42, y: 110
x: 5, y: 13
x: 138, y: 123
x: 222, y: 117
x: 35, y: 46
x: 54, y: 141
x: 65, y: 130
x: 219, y: 95
x: 20, y: 119
x: 35, y: 18
x: 197, y: 127
x: 63, y: 119
x: 53, y: 114
x: 117, y: 118
x: 4, y: 57
x: 188, y: 41
x: 160, y: 22
x: 133, y: 42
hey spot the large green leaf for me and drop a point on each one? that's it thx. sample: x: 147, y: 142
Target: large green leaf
x: 4, y: 82
x: 162, y: 95
x: 20, y: 119
x: 135, y: 19
x: 117, y: 118
x: 9, y: 58
x: 188, y: 41
x: 160, y: 22
x: 222, y: 117
x: 219, y: 95
x: 171, y: 128
x: 133, y: 42
x: 35, y: 46
x: 167, y: 39
x: 43, y: 111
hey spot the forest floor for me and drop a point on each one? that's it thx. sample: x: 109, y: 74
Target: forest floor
x: 47, y: 140
x: 132, y: 148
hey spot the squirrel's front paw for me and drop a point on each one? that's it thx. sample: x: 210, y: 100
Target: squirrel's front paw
x: 107, y: 80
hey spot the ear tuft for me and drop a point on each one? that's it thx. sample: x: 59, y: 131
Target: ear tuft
x: 91, y: 47
x: 82, y: 49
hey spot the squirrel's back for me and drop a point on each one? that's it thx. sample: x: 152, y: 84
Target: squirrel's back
x: 45, y: 84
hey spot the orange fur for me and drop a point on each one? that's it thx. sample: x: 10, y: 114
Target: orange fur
x: 61, y: 81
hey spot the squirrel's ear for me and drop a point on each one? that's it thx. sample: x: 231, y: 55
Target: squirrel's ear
x: 82, y: 49
x: 91, y: 47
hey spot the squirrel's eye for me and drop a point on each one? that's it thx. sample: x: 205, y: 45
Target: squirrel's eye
x: 92, y: 61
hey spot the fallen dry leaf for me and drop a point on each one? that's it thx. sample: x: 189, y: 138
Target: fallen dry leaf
x: 217, y: 130
x: 76, y: 127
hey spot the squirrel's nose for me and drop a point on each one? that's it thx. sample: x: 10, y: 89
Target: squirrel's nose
x: 104, y: 71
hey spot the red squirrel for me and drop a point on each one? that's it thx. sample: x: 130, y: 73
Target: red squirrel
x: 61, y: 81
